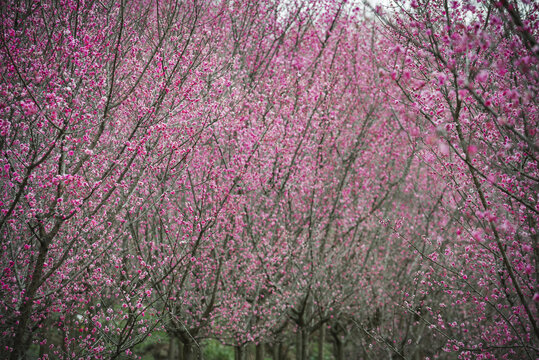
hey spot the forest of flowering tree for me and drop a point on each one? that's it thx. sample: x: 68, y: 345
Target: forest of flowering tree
x: 266, y: 179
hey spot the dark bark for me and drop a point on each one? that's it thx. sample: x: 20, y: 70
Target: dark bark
x: 259, y: 353
x: 302, y: 342
x: 276, y: 351
x: 239, y: 353
x: 338, y: 348
x: 173, y: 348
x: 299, y: 345
x: 321, y: 340
x: 187, y: 353
x: 279, y: 351
x: 21, y: 340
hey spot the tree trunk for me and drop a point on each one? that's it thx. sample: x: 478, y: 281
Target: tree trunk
x: 299, y: 345
x: 321, y: 340
x: 304, y: 344
x: 276, y: 350
x: 187, y: 352
x: 22, y: 339
x: 173, y: 348
x: 259, y: 353
x: 280, y: 351
x: 239, y: 354
x: 338, y: 350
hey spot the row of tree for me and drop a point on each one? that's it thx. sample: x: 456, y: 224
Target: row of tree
x: 261, y: 171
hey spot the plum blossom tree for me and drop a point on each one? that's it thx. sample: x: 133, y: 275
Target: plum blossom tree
x: 468, y: 71
x: 97, y: 97
x: 269, y: 173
